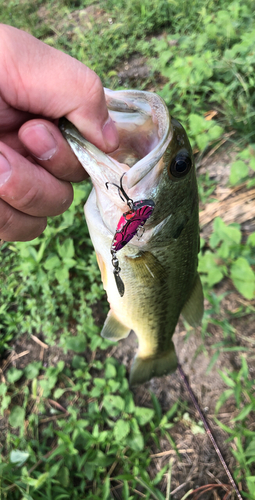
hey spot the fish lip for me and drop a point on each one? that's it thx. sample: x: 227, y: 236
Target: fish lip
x: 165, y: 130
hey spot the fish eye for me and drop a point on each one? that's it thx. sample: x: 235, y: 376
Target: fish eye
x: 180, y: 165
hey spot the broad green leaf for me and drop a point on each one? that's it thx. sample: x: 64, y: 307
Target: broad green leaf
x: 77, y: 343
x: 68, y: 263
x: 121, y: 429
x: 5, y: 404
x: 208, y: 264
x: 129, y: 403
x: 135, y: 441
x: 18, y: 457
x: 66, y: 249
x: 58, y: 393
x: 63, y: 476
x: 14, y: 374
x: 32, y: 369
x: 239, y: 170
x: 89, y: 471
x: 3, y: 389
x: 52, y: 262
x: 197, y: 429
x: 114, y: 405
x: 17, y: 416
x: 62, y: 274
x: 251, y: 239
x: 110, y: 371
x: 95, y: 342
x: 222, y: 231
x: 215, y: 132
x: 41, y: 479
x: 243, y: 277
x: 144, y: 415
x: 102, y: 460
x: 202, y: 141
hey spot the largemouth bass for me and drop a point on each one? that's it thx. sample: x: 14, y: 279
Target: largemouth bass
x: 149, y: 267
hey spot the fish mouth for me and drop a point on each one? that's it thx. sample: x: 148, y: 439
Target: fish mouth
x: 144, y: 126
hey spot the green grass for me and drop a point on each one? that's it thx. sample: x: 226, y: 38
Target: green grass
x: 204, y: 53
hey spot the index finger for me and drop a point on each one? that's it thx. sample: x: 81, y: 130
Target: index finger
x: 43, y: 81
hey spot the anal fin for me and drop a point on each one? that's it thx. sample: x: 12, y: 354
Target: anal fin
x: 144, y: 369
x: 193, y: 309
x: 113, y: 329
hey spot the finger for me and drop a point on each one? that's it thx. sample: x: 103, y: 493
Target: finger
x: 17, y: 226
x: 10, y: 118
x: 29, y: 188
x: 54, y: 85
x: 44, y: 141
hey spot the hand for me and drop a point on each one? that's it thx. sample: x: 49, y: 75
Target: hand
x: 38, y: 85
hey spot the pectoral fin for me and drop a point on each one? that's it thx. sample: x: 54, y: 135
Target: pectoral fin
x: 113, y: 329
x: 193, y: 309
x: 143, y: 369
x: 147, y: 267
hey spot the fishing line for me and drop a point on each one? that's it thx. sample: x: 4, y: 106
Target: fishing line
x: 208, y: 431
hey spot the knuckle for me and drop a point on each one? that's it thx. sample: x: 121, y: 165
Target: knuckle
x: 30, y: 200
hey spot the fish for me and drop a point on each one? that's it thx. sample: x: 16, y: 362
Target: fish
x: 149, y: 267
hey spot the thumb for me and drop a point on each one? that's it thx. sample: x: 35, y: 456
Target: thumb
x: 44, y: 81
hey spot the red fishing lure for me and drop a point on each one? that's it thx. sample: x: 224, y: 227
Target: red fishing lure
x: 128, y: 227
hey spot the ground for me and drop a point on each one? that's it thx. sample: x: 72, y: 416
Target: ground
x: 199, y: 464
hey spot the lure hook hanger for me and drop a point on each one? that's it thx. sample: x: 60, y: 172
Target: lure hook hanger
x: 121, y: 191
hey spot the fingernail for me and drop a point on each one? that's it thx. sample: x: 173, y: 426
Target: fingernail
x: 39, y: 141
x: 110, y: 134
x: 5, y: 169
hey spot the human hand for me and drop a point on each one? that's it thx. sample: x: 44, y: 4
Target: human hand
x: 38, y: 85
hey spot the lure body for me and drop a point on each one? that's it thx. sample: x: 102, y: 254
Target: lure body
x: 158, y: 269
x: 130, y: 222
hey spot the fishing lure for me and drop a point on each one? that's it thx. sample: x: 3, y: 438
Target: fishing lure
x: 128, y: 226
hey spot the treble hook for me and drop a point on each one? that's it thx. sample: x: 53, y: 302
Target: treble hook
x: 121, y: 190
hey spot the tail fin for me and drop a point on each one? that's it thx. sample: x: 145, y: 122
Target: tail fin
x: 143, y: 369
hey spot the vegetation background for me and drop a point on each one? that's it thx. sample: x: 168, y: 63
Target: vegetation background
x: 70, y: 426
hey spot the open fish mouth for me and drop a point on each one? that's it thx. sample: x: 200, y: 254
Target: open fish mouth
x: 144, y: 126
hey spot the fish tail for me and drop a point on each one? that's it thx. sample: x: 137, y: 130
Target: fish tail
x: 143, y: 369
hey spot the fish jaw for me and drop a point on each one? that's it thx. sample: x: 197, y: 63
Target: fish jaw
x: 143, y: 123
